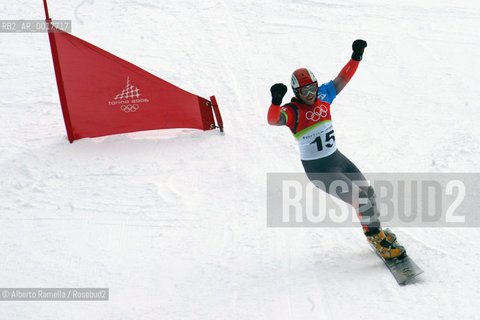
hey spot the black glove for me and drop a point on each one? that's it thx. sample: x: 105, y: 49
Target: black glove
x: 358, y: 46
x: 278, y: 91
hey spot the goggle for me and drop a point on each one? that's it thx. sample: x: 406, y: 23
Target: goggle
x: 309, y: 89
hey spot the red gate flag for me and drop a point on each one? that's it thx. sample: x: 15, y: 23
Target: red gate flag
x: 101, y: 94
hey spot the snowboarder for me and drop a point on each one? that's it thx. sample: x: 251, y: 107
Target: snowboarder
x: 308, y: 117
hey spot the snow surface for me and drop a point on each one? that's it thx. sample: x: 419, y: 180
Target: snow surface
x: 174, y: 222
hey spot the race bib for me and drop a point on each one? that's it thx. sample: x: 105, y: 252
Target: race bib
x: 318, y: 142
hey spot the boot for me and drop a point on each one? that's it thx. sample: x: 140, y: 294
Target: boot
x: 391, y: 237
x: 384, y: 247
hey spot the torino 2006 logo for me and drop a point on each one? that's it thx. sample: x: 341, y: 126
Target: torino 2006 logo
x: 317, y: 113
x: 130, y: 99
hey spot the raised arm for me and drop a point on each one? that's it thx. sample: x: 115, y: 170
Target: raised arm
x: 275, y: 118
x: 349, y: 69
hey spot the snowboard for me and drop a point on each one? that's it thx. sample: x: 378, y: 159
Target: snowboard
x: 403, y: 268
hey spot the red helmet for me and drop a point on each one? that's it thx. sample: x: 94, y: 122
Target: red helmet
x: 300, y: 78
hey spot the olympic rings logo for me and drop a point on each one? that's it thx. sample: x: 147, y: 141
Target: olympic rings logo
x: 317, y: 113
x: 130, y: 108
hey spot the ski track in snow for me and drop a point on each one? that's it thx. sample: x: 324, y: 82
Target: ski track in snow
x: 174, y: 221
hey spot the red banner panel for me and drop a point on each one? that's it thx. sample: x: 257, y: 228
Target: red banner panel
x: 102, y: 94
